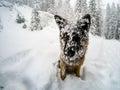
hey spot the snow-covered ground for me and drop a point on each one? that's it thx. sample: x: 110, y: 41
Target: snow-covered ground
x: 27, y: 59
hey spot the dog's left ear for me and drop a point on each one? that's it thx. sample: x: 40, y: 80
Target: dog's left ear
x: 85, y: 22
x: 60, y: 21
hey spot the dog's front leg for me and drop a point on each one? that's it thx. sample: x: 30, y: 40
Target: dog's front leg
x: 78, y: 67
x: 62, y: 70
x: 77, y: 70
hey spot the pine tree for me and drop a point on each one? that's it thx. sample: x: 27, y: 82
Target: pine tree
x: 118, y: 23
x: 36, y: 4
x: 35, y: 21
x: 93, y: 13
x: 78, y: 6
x: 99, y: 19
x: 30, y: 3
x: 66, y: 11
x: 51, y: 7
x: 58, y: 6
x: 113, y: 22
x: 12, y: 1
x: 84, y: 7
x: 25, y: 2
x: 81, y: 8
x: 107, y: 22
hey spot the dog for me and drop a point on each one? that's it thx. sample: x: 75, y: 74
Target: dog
x: 73, y: 44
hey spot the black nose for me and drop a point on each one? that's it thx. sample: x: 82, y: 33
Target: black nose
x: 70, y: 52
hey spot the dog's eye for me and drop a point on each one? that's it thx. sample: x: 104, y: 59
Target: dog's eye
x: 84, y: 26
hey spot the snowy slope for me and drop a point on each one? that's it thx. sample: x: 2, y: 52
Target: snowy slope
x: 27, y: 59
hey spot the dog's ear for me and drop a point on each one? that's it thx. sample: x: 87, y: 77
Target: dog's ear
x: 85, y: 22
x: 60, y: 21
x: 87, y: 18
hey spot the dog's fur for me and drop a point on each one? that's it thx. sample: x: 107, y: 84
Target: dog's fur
x: 74, y: 42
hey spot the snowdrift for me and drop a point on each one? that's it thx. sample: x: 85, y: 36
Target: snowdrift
x: 28, y: 59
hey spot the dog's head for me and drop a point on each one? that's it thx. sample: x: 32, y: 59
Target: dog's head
x: 73, y: 37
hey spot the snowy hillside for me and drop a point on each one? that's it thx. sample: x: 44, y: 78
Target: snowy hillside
x: 28, y: 59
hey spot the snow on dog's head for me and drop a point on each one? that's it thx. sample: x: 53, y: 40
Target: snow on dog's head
x: 73, y: 37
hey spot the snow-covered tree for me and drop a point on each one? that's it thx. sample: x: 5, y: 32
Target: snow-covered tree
x: 12, y: 1
x: 99, y: 18
x: 36, y: 4
x: 51, y: 7
x: 96, y: 17
x: 81, y: 7
x: 93, y: 13
x: 65, y: 10
x: 43, y: 5
x: 107, y: 22
x: 58, y: 6
x: 78, y: 6
x: 30, y: 3
x: 113, y: 22
x: 19, y: 2
x: 35, y: 21
x: 25, y: 2
x: 118, y: 23
x: 20, y: 18
x: 84, y: 7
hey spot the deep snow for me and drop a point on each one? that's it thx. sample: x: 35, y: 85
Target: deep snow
x: 28, y: 59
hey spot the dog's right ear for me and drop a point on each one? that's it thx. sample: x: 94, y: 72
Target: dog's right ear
x: 60, y: 21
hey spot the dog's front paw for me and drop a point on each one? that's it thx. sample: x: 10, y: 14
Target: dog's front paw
x: 63, y: 73
x: 62, y: 70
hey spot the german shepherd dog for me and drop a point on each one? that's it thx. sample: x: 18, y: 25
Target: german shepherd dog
x: 73, y: 44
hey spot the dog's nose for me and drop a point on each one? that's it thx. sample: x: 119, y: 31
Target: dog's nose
x: 70, y: 52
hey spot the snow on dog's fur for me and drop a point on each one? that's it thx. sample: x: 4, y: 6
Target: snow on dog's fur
x: 74, y: 42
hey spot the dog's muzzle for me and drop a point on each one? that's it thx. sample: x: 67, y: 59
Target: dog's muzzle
x: 70, y: 52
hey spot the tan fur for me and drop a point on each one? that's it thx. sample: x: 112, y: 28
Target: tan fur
x: 74, y: 68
